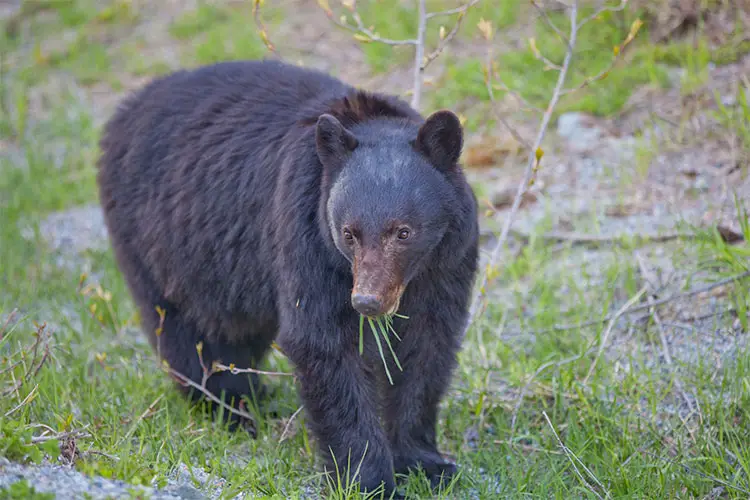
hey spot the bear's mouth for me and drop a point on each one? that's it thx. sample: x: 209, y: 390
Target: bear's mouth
x: 375, y: 307
x: 374, y: 304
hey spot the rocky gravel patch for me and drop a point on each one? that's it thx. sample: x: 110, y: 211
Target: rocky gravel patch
x: 68, y: 484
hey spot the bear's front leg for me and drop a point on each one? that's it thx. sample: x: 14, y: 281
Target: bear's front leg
x: 427, y: 354
x: 338, y: 393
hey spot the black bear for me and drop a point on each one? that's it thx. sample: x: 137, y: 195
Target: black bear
x: 249, y: 201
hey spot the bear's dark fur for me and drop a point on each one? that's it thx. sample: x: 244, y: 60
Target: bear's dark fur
x: 256, y: 200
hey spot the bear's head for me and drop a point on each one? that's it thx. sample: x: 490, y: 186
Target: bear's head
x: 389, y: 199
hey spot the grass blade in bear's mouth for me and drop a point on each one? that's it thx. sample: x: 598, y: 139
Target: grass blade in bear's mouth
x: 384, y: 328
x: 380, y: 349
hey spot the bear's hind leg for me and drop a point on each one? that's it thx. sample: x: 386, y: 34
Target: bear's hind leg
x: 178, y: 338
x: 177, y: 344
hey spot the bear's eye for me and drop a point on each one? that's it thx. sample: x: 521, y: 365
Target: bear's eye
x: 403, y: 233
x: 348, y: 236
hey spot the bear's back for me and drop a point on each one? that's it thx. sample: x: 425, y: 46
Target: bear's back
x: 188, y: 172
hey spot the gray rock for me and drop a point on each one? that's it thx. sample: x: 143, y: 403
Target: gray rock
x: 76, y: 230
x: 70, y: 234
x: 579, y: 129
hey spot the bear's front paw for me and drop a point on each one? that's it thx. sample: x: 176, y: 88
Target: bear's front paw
x: 370, y: 481
x: 375, y: 475
x: 437, y: 469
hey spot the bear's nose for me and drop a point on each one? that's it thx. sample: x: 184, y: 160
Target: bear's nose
x: 367, y: 304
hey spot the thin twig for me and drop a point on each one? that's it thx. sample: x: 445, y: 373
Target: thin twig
x: 613, y: 8
x: 25, y: 401
x: 593, y: 239
x: 187, y: 381
x: 541, y: 57
x: 573, y: 459
x: 262, y: 28
x: 500, y: 116
x: 236, y: 371
x: 458, y: 10
x: 289, y: 423
x: 361, y: 29
x: 527, y: 447
x: 549, y: 22
x: 608, y: 331
x: 461, y: 11
x: 532, y: 163
x: 76, y: 434
x: 7, y: 321
x: 419, y: 65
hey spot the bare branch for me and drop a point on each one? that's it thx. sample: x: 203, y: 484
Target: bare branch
x: 541, y: 57
x: 601, y: 10
x: 458, y: 10
x: 445, y: 40
x: 365, y: 35
x: 533, y: 161
x: 186, y: 381
x: 593, y: 239
x: 421, y: 60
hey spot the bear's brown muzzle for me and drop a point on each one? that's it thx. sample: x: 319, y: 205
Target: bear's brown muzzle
x: 378, y: 285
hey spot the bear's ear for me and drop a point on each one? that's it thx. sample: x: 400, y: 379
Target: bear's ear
x: 334, y: 143
x: 440, y: 138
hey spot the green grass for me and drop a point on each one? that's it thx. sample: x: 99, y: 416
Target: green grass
x: 736, y: 118
x: 102, y: 377
x: 86, y: 55
x: 200, y: 20
x: 23, y: 490
x: 89, y: 61
x: 223, y: 33
x: 137, y: 65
